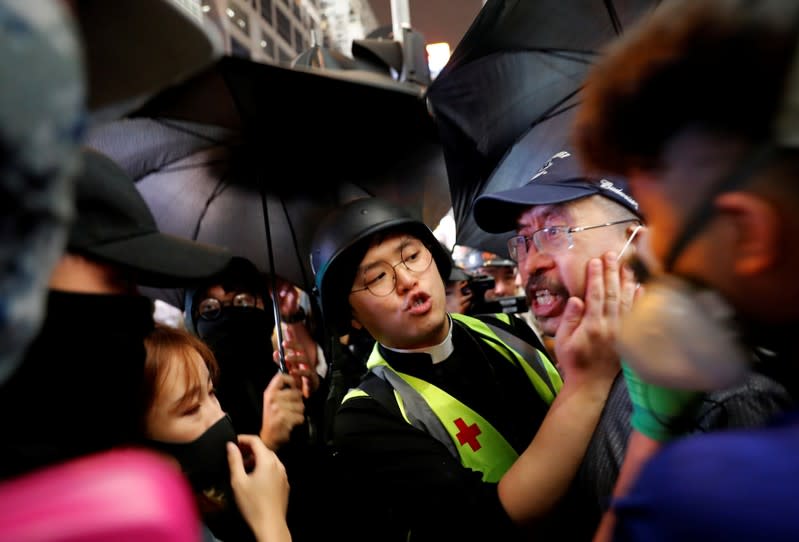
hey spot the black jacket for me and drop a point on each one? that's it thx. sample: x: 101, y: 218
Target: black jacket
x: 397, y: 478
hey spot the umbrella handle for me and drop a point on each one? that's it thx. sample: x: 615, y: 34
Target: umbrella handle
x: 279, y: 330
x: 273, y: 280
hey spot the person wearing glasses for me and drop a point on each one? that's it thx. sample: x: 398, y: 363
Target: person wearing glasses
x: 565, y: 220
x: 502, y: 270
x: 461, y: 428
x: 228, y: 313
x: 719, y: 187
x: 232, y: 313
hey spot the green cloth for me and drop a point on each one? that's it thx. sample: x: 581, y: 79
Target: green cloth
x: 660, y: 413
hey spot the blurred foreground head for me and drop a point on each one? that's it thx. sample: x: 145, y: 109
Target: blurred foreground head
x: 62, y: 63
x: 697, y: 106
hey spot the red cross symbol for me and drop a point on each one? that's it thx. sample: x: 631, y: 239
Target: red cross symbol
x: 468, y: 434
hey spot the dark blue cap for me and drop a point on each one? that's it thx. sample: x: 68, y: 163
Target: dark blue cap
x: 559, y: 180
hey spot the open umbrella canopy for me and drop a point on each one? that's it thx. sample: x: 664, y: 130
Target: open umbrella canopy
x: 211, y: 193
x: 518, y: 65
x: 209, y: 153
x: 321, y: 125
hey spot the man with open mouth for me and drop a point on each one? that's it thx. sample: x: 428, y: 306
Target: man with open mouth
x: 563, y: 221
x: 462, y: 428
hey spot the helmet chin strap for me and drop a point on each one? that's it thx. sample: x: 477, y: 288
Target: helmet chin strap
x: 740, y: 174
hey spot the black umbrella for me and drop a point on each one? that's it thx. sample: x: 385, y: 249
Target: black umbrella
x: 525, y: 158
x: 217, y: 161
x: 322, y: 126
x: 202, y: 182
x: 298, y: 133
x: 520, y: 63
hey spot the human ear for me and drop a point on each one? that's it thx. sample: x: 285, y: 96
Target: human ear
x: 756, y: 231
x: 632, y: 235
x: 636, y: 230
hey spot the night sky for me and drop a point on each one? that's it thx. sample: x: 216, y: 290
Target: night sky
x: 437, y: 20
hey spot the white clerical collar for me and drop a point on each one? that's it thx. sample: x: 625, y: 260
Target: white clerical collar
x: 438, y: 353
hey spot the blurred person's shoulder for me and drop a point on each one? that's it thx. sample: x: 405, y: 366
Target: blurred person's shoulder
x: 717, y: 486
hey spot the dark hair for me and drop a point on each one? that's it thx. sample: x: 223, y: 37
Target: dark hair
x: 715, y: 65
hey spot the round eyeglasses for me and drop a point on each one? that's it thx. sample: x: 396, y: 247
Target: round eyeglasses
x: 210, y: 308
x: 380, y: 278
x: 551, y: 239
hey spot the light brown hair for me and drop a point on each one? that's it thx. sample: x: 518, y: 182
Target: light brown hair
x: 166, y: 343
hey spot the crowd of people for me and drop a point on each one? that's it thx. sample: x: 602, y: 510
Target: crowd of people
x: 646, y: 391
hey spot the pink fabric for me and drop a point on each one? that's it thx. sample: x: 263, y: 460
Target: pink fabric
x: 120, y: 496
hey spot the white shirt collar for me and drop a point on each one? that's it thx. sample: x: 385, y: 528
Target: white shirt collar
x: 438, y: 352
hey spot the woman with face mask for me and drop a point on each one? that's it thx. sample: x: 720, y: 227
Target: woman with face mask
x: 184, y: 419
x: 234, y: 314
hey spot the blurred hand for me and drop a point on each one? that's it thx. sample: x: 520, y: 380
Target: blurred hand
x: 262, y: 495
x: 301, y: 357
x: 585, y: 340
x: 457, y: 301
x: 288, y: 298
x: 283, y: 410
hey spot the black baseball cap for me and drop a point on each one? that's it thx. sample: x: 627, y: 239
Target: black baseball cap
x: 114, y: 224
x: 559, y: 180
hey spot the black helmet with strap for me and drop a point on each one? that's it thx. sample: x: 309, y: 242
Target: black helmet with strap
x: 341, y: 241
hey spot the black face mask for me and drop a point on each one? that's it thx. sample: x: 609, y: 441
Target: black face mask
x: 241, y: 341
x: 236, y: 323
x: 204, y: 460
x: 79, y: 388
x: 205, y: 464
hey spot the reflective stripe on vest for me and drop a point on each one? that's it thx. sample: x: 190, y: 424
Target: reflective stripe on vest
x: 543, y: 375
x: 465, y: 433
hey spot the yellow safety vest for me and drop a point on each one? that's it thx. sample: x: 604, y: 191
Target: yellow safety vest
x: 466, y: 434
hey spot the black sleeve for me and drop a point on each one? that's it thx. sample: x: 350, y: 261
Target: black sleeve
x: 315, y: 408
x: 403, y: 478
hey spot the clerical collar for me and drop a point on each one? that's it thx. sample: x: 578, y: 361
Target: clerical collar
x: 438, y: 353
